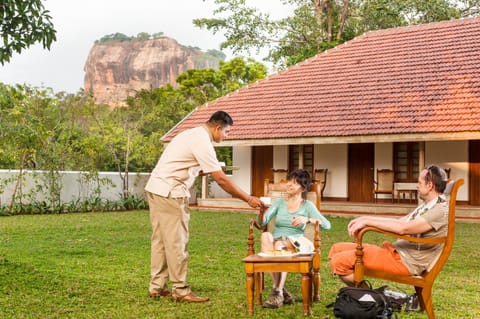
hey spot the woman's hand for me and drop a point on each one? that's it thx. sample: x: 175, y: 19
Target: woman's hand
x: 299, y: 220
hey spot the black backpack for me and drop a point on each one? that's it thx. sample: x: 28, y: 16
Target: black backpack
x: 361, y: 303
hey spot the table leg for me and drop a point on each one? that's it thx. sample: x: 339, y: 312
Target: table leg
x: 307, y: 293
x: 316, y: 285
x: 250, y: 288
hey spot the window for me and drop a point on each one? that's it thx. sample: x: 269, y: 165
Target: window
x: 300, y: 156
x: 406, y: 161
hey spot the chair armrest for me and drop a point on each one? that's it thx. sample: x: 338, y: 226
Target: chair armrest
x: 358, y: 275
x: 420, y: 240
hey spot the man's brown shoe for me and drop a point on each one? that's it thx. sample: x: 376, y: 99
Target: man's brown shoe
x: 191, y: 297
x: 159, y: 294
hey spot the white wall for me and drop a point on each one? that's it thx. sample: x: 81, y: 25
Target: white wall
x: 75, y: 185
x: 242, y: 157
x: 450, y: 154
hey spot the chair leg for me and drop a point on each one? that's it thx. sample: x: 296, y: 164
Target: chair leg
x: 419, y: 292
x: 427, y: 302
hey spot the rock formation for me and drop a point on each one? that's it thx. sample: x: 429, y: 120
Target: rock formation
x: 115, y: 70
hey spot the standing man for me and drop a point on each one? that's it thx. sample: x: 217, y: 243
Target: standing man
x: 168, y: 196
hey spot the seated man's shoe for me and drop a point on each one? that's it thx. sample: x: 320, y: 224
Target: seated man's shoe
x: 191, y: 297
x: 159, y: 294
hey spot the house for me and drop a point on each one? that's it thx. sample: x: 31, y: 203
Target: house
x: 398, y: 98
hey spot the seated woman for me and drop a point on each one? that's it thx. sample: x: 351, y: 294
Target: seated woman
x: 292, y: 214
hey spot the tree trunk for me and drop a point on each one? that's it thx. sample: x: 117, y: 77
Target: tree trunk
x: 329, y: 22
x: 18, y: 184
x: 319, y: 6
x: 343, y: 17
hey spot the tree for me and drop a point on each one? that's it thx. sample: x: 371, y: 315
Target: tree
x: 203, y: 85
x: 23, y: 23
x: 317, y: 25
x: 288, y: 39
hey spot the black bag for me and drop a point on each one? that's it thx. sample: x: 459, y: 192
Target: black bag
x: 361, y: 303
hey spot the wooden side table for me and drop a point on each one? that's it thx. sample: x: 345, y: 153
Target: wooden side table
x: 308, y: 266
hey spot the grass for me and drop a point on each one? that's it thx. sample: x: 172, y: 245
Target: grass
x: 96, y: 265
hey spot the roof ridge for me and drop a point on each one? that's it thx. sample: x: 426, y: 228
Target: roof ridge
x: 421, y: 26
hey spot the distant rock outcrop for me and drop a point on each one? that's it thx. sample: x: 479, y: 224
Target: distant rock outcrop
x: 115, y: 70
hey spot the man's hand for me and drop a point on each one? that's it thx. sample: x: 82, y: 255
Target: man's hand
x: 254, y: 202
x: 356, y: 224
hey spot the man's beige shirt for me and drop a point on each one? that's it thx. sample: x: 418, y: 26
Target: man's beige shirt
x: 421, y: 257
x: 188, y: 153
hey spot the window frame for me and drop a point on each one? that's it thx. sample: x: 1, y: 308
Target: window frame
x: 301, y: 156
x: 406, y: 159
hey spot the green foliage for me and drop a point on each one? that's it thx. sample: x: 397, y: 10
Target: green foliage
x: 143, y: 36
x: 23, y: 23
x: 91, y: 204
x: 96, y: 265
x: 217, y: 54
x: 43, y: 130
x: 202, y: 85
x: 382, y: 14
x: 315, y: 26
x: 158, y: 35
x: 114, y: 37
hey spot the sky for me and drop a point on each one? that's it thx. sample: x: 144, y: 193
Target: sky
x: 80, y: 23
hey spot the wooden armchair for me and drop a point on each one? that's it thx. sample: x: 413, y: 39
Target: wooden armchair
x: 423, y: 284
x: 384, y: 183
x: 447, y: 170
x: 279, y: 175
x: 320, y: 177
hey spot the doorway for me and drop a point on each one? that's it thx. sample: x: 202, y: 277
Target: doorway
x: 262, y: 164
x: 474, y: 172
x: 360, y: 172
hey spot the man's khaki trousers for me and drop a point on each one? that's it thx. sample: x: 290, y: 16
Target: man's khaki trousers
x: 169, y: 242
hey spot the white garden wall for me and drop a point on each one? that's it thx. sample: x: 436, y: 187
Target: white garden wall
x: 75, y: 185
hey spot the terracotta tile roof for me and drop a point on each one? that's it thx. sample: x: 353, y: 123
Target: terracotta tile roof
x: 416, y: 79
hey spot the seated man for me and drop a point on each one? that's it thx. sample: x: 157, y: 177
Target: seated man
x: 430, y: 219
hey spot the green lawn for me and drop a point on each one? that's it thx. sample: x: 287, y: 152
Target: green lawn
x: 96, y: 265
